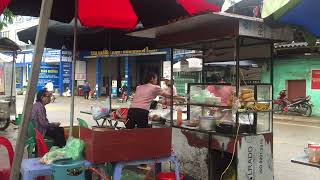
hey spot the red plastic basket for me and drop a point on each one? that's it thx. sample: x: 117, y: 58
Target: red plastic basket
x: 168, y: 176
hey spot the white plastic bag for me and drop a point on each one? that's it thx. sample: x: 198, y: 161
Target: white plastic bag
x: 99, y: 112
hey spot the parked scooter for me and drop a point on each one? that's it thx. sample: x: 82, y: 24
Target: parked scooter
x: 93, y: 95
x: 300, y: 105
x: 52, y: 98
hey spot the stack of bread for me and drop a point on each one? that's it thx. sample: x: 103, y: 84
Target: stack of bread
x: 247, y: 97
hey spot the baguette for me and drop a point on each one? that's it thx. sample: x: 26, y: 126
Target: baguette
x: 247, y: 95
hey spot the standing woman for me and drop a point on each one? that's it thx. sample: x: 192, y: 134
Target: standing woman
x: 139, y: 110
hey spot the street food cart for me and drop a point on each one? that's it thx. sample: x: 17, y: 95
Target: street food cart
x: 228, y: 134
x: 7, y: 82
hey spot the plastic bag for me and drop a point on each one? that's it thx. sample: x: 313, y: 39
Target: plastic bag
x: 130, y: 175
x: 73, y: 149
x: 99, y: 112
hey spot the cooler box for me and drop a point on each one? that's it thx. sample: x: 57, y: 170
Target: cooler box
x: 124, y: 145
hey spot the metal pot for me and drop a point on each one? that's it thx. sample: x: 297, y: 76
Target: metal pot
x: 207, y: 123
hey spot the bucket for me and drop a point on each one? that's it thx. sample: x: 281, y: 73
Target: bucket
x: 67, y: 169
x: 168, y: 176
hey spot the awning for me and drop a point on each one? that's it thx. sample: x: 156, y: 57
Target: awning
x: 188, y: 65
x: 7, y: 44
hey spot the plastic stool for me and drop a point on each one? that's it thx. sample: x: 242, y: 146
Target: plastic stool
x: 5, y: 173
x: 31, y: 168
x: 119, y: 165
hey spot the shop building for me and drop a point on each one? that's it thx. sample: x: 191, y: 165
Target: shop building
x: 116, y: 68
x: 297, y: 68
x: 56, y: 66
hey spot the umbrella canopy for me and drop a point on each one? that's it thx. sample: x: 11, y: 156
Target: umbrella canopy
x: 61, y: 34
x: 303, y: 13
x: 243, y: 7
x: 3, y: 5
x: 118, y: 13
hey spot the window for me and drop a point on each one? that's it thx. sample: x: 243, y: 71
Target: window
x: 5, y: 34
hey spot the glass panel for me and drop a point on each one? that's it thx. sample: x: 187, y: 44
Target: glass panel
x: 263, y: 121
x: 264, y: 93
x: 215, y: 95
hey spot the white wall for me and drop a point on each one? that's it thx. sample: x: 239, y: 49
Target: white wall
x: 20, y: 23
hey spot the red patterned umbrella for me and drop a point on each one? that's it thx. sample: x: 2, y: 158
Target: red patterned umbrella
x: 123, y: 14
x: 117, y: 14
x: 3, y: 5
x: 199, y: 6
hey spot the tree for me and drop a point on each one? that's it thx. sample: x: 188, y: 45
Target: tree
x: 6, y: 18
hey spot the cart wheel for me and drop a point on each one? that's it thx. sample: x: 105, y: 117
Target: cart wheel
x: 4, y: 123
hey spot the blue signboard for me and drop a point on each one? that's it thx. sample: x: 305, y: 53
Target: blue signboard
x: 65, y: 71
x: 47, y: 72
x: 51, y: 55
x: 65, y: 68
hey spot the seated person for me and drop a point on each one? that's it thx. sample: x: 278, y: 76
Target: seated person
x: 41, y: 123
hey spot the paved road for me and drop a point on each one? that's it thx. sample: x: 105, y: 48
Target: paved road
x: 289, y: 141
x: 289, y: 137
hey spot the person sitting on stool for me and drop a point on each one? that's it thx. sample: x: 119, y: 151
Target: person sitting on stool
x: 41, y: 123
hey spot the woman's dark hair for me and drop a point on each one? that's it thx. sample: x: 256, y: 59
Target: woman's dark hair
x: 149, y: 77
x: 216, y: 77
x: 41, y: 94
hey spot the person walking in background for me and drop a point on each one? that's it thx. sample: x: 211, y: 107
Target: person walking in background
x: 49, y: 87
x: 86, y: 89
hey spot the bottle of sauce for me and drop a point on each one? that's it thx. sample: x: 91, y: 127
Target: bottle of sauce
x: 179, y: 117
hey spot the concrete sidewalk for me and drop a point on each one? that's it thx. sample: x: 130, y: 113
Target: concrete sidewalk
x: 296, y: 118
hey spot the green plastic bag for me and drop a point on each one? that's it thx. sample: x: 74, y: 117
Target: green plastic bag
x: 130, y: 175
x: 73, y: 149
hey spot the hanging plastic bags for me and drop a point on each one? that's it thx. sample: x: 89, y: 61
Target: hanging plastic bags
x: 99, y: 112
x: 73, y: 149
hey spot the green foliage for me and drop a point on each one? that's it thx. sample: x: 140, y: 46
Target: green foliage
x: 6, y: 19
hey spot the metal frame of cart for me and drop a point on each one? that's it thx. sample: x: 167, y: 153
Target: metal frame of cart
x: 205, y: 154
x: 8, y: 100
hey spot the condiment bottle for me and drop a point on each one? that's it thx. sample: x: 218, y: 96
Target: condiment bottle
x: 179, y: 117
x: 314, y: 153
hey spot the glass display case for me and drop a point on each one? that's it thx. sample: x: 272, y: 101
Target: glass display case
x: 215, y: 107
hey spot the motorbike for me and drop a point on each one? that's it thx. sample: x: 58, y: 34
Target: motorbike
x: 301, y: 105
x: 52, y: 98
x: 93, y: 95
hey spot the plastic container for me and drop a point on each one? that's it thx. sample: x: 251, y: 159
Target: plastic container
x: 314, y: 153
x: 207, y: 123
x: 168, y: 176
x: 68, y: 169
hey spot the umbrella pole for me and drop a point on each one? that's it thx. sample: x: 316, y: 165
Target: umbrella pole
x: 74, y: 58
x: 27, y: 108
x: 12, y: 76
